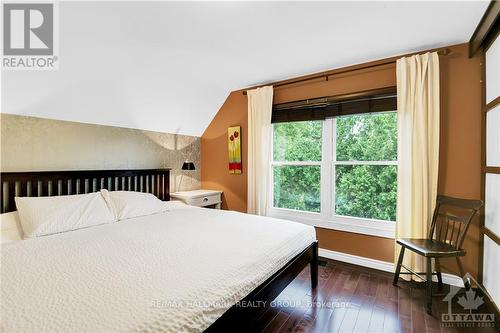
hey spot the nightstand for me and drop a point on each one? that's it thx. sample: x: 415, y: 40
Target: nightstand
x: 199, y: 198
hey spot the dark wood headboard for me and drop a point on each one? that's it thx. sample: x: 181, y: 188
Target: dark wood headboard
x: 53, y: 183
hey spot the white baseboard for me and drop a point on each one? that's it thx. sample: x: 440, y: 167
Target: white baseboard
x: 357, y: 260
x: 379, y: 264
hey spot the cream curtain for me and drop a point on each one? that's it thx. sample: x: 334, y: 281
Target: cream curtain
x: 418, y: 148
x: 260, y: 104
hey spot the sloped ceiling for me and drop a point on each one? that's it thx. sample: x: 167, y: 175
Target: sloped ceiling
x: 169, y: 66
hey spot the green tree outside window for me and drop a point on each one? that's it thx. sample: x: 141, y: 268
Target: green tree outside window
x: 365, y: 176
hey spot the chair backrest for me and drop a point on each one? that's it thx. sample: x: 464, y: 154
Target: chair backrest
x: 452, y: 218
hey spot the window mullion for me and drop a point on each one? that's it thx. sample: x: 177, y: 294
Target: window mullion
x: 326, y: 169
x: 296, y: 163
x: 352, y: 162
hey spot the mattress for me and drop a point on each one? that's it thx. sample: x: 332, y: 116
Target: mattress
x: 176, y: 271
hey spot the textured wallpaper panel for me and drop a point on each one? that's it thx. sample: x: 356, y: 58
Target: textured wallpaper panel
x: 36, y: 144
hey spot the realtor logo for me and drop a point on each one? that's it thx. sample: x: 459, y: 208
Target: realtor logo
x: 29, y: 36
x: 28, y: 29
x: 470, y: 302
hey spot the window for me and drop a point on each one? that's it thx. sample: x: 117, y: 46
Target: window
x: 296, y: 166
x: 338, y: 173
x: 365, y: 166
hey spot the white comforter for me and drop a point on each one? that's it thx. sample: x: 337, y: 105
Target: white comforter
x: 176, y: 271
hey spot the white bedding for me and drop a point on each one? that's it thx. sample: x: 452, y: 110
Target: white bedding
x: 176, y: 271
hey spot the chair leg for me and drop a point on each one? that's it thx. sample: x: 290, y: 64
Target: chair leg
x: 462, y: 273
x: 438, y: 273
x: 428, y: 276
x: 398, y: 266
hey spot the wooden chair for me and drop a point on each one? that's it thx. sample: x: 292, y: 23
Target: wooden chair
x: 450, y: 222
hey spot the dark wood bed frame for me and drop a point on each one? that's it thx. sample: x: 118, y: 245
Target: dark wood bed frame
x: 242, y: 316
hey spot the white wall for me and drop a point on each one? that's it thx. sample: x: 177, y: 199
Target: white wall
x: 117, y: 67
x: 169, y: 66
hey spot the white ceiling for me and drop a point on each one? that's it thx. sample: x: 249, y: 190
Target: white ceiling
x: 169, y: 66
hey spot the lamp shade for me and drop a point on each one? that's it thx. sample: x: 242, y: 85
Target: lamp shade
x: 188, y: 166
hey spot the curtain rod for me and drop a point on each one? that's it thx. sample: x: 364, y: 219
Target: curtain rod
x: 326, y: 74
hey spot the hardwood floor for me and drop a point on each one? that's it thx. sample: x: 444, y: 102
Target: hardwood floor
x: 351, y: 298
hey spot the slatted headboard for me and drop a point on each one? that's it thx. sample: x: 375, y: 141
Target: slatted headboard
x: 52, y: 183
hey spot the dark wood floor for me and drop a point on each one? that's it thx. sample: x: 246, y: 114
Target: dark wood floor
x: 351, y: 298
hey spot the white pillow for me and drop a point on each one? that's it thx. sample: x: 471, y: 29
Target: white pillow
x: 49, y: 215
x: 128, y: 204
x: 10, y: 227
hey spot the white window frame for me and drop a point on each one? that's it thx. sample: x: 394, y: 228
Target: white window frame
x: 327, y: 218
x: 273, y: 210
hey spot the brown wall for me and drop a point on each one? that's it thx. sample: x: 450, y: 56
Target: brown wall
x: 356, y: 244
x: 460, y: 148
x: 459, y: 171
x: 214, y: 155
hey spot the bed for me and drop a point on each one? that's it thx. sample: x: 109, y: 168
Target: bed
x: 186, y: 269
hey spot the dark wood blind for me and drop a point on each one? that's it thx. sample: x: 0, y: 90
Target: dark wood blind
x: 328, y: 107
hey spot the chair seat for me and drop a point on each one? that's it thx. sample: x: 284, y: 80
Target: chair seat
x: 430, y: 247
